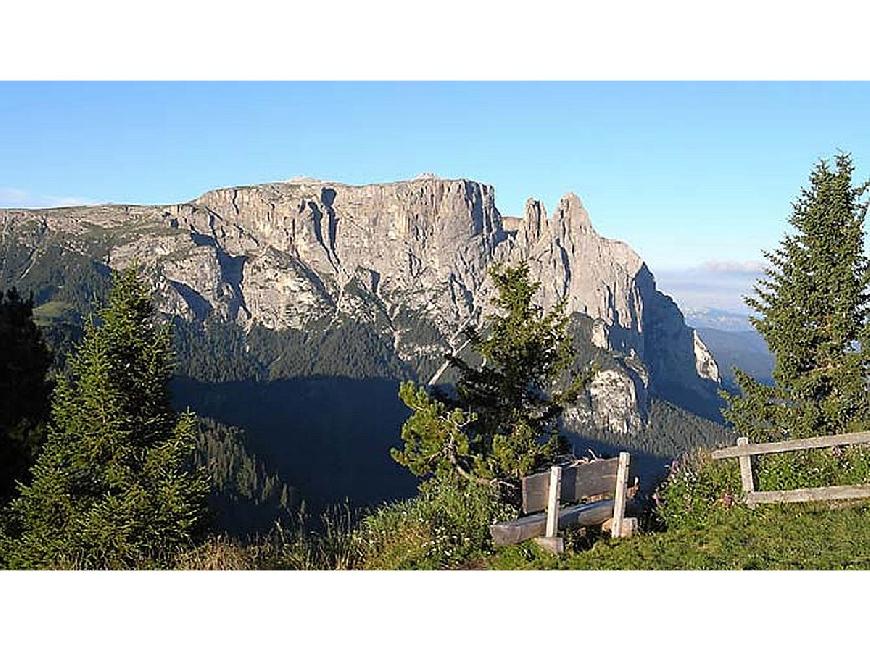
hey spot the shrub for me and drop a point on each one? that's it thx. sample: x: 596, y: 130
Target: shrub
x: 218, y: 553
x: 502, y: 423
x: 697, y: 489
x: 299, y: 547
x: 445, y: 525
x: 813, y: 468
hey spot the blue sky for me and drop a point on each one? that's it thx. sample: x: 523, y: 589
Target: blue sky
x: 695, y: 176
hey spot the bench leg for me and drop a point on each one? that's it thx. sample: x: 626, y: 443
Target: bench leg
x: 630, y: 526
x: 553, y: 501
x: 553, y: 545
x: 616, y: 528
x: 551, y: 542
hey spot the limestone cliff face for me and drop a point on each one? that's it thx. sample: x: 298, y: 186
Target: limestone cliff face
x: 286, y: 254
x: 606, y: 280
x: 296, y: 246
x: 594, y: 275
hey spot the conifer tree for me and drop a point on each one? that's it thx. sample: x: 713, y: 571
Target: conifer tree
x: 24, y: 390
x: 813, y: 314
x: 114, y: 485
x: 502, y: 424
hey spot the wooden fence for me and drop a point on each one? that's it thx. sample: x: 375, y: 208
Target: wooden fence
x: 744, y: 451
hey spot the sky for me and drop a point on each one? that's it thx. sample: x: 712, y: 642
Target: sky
x: 697, y: 176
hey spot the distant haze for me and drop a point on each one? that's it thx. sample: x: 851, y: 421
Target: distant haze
x: 722, y: 320
x: 720, y: 285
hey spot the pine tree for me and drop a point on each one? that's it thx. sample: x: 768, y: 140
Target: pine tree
x: 114, y: 485
x: 813, y: 314
x: 24, y: 390
x: 502, y: 424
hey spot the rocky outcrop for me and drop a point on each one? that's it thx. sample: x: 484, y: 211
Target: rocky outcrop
x: 607, y: 281
x: 705, y: 364
x: 615, y: 404
x: 594, y: 275
x: 285, y: 255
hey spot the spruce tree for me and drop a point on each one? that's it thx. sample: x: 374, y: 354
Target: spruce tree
x: 812, y: 308
x: 114, y: 486
x: 502, y: 423
x: 24, y: 390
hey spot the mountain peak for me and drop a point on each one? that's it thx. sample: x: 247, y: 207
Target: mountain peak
x: 571, y: 211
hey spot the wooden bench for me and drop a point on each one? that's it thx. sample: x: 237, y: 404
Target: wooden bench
x: 744, y: 452
x: 570, y: 484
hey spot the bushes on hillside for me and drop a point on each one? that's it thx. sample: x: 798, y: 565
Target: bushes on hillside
x: 696, y: 489
x: 699, y: 488
x: 443, y: 526
x: 813, y: 468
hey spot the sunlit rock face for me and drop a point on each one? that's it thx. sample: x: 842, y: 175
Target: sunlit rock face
x: 287, y: 255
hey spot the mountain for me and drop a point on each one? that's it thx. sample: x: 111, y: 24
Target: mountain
x: 722, y: 320
x: 299, y: 306
x: 744, y: 349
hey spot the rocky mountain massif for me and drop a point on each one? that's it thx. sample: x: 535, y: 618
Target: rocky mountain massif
x: 277, y: 283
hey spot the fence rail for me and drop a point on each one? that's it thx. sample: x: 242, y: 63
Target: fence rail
x: 848, y: 492
x: 792, y: 445
x: 744, y: 451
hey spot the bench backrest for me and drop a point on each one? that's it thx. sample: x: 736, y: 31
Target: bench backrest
x: 581, y: 481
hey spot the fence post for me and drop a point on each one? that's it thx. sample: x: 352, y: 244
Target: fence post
x: 746, y: 468
x: 619, y: 495
x: 553, y: 501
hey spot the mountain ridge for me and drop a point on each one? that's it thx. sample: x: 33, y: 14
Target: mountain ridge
x: 384, y: 275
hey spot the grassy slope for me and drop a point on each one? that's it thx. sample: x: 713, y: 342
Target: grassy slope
x: 812, y: 536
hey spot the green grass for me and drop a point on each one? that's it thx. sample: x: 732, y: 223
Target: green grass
x: 52, y: 311
x: 700, y: 524
x: 410, y: 535
x: 811, y: 536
